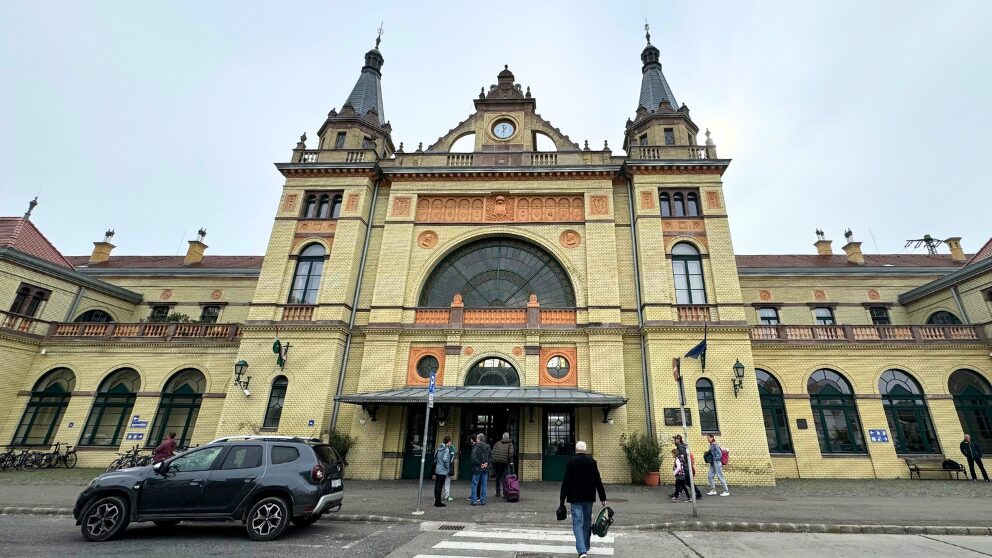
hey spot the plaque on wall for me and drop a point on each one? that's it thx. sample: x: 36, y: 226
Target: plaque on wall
x: 674, y: 418
x: 801, y: 424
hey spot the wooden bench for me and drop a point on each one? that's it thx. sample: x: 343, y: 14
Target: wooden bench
x: 932, y: 465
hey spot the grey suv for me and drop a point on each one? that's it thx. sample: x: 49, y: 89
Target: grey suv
x: 262, y: 481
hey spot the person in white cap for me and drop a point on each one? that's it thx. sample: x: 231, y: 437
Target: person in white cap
x: 579, y: 487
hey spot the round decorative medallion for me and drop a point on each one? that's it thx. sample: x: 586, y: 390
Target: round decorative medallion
x: 764, y: 295
x: 217, y: 294
x: 166, y: 294
x: 468, y: 350
x: 518, y: 351
x: 873, y: 294
x: 819, y: 295
x: 570, y: 239
x: 427, y: 239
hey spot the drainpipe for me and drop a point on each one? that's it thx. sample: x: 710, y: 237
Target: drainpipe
x: 75, y: 304
x: 957, y: 301
x: 354, y: 302
x: 645, y: 371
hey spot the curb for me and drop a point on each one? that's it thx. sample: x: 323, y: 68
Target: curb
x: 24, y: 510
x: 15, y: 510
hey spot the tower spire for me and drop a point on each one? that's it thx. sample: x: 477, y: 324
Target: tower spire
x: 367, y: 94
x: 654, y: 86
x: 647, y: 31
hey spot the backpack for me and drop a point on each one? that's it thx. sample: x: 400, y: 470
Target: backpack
x: 725, y: 457
x: 951, y: 465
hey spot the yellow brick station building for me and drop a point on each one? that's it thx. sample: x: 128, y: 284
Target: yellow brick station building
x: 549, y: 286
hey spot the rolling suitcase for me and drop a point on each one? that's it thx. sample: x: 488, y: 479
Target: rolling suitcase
x: 511, y: 486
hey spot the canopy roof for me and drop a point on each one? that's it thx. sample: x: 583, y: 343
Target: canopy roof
x: 481, y: 394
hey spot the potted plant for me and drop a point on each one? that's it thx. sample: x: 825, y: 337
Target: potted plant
x: 644, y: 457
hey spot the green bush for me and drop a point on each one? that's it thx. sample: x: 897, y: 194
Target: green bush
x: 643, y: 455
x: 341, y: 443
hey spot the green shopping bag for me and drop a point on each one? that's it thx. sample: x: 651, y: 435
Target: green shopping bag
x: 603, y: 522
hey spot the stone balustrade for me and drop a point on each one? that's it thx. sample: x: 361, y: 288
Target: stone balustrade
x: 866, y: 333
x: 157, y: 331
x: 297, y: 313
x: 22, y: 324
x: 693, y: 313
x: 658, y: 152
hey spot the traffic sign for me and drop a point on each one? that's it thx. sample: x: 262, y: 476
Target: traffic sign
x: 432, y: 384
x: 430, y: 400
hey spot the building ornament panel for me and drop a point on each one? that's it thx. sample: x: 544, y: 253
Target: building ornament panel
x: 500, y: 208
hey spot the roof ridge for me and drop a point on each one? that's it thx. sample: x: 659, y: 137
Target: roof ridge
x: 984, y: 252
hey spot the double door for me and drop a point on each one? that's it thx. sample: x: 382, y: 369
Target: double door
x: 412, y: 452
x: 492, y: 421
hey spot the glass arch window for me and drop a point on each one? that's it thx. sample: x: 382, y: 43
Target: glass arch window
x: 111, y: 409
x: 768, y: 316
x: 324, y: 207
x: 43, y: 414
x: 973, y: 402
x: 835, y: 413
x: 773, y: 412
x: 277, y: 397
x: 427, y: 366
x: 310, y: 207
x: 907, y: 414
x: 678, y: 204
x: 179, y: 407
x: 306, y: 278
x: 692, y: 204
x: 687, y: 265
x: 498, y: 273
x: 94, y: 316
x: 943, y: 317
x: 707, y: 406
x: 493, y: 372
x: 557, y: 367
x: 336, y: 206
x: 666, y: 205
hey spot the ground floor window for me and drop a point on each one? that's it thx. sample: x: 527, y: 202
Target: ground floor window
x: 277, y: 397
x: 43, y: 414
x: 907, y: 414
x: 111, y: 409
x: 973, y: 402
x: 179, y: 408
x: 835, y: 413
x: 773, y: 412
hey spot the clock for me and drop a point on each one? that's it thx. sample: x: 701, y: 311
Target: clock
x: 503, y: 129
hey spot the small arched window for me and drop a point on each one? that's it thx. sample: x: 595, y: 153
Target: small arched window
x: 708, y: 422
x: 306, y: 278
x: 94, y: 317
x: 277, y: 397
x: 907, y: 414
x: 324, y: 207
x: 336, y: 206
x: 111, y: 409
x: 666, y: 205
x: 43, y: 414
x: 692, y: 204
x: 835, y: 413
x: 943, y: 317
x: 678, y: 201
x: 773, y: 412
x: 310, y: 207
x: 493, y: 372
x: 687, y: 265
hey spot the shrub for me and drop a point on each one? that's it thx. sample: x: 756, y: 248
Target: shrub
x: 643, y: 455
x: 341, y: 443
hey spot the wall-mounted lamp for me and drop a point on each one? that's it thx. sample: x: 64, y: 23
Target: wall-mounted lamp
x: 239, y: 370
x: 738, y: 379
x: 370, y: 410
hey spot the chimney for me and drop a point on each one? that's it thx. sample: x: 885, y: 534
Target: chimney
x: 822, y: 244
x: 196, y: 248
x: 101, y: 250
x: 957, y: 253
x: 853, y: 249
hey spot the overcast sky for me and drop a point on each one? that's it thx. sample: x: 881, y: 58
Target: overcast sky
x: 156, y: 118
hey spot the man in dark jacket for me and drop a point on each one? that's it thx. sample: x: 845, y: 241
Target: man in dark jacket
x: 502, y: 458
x: 482, y: 456
x: 973, y: 454
x: 579, y: 487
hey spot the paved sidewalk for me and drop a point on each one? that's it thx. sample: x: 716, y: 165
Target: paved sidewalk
x: 827, y: 502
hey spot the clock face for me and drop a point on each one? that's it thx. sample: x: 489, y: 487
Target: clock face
x: 503, y: 129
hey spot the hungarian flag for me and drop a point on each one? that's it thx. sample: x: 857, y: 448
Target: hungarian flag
x: 281, y: 351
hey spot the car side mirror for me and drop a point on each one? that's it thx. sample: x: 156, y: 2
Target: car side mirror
x: 161, y: 467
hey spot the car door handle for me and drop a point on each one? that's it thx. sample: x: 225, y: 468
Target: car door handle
x: 250, y: 479
x: 196, y: 482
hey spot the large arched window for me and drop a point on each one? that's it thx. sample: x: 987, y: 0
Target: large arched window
x: 94, y: 317
x: 306, y: 278
x: 493, y: 372
x: 707, y: 406
x: 498, y: 273
x: 179, y: 407
x: 835, y: 413
x: 277, y: 397
x: 43, y: 415
x: 973, y: 401
x: 943, y: 317
x: 773, y: 412
x: 687, y: 266
x: 907, y: 413
x: 111, y: 409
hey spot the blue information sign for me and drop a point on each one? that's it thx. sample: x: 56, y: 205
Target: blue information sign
x: 879, y: 435
x: 136, y: 436
x: 432, y: 384
x: 310, y: 422
x: 136, y: 422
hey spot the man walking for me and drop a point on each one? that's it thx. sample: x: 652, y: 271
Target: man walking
x: 442, y: 465
x: 472, y: 440
x: 482, y: 456
x: 714, y: 456
x: 973, y: 454
x: 580, y: 487
x: 167, y: 448
x: 502, y: 457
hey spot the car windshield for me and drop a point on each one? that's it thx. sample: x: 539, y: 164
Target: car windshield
x: 326, y: 454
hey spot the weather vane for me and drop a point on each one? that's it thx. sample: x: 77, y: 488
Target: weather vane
x: 647, y: 30
x: 379, y: 36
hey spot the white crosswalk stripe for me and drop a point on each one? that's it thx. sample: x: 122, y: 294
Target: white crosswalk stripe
x: 482, y: 542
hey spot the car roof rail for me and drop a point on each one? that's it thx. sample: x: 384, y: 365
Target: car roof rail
x: 258, y: 438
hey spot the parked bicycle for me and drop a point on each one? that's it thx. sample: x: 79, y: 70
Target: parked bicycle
x: 128, y: 459
x: 56, y: 457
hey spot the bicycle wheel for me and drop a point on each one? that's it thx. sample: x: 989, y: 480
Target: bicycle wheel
x: 114, y: 465
x: 70, y: 460
x: 44, y: 460
x: 29, y: 462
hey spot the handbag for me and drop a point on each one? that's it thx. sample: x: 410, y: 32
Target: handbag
x: 603, y: 522
x: 560, y: 513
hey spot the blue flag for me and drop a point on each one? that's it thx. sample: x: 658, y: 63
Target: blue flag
x: 699, y: 351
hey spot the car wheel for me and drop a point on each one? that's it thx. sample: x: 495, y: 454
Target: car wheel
x: 306, y: 520
x: 166, y: 524
x: 267, y: 519
x: 105, y: 518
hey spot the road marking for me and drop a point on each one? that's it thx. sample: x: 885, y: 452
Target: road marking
x: 529, y: 536
x: 370, y: 535
x: 518, y: 547
x: 445, y: 556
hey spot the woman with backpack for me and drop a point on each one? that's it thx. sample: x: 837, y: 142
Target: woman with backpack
x: 715, y: 457
x: 679, y: 472
x: 442, y: 466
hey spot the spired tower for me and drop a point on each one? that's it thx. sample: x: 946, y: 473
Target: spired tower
x: 501, y: 258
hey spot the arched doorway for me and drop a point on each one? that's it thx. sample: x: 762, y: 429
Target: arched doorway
x: 973, y: 402
x: 491, y: 420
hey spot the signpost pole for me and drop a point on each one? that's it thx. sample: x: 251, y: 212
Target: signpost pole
x: 423, y: 441
x: 677, y: 372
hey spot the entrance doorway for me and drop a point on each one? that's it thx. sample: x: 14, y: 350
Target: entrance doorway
x: 492, y: 421
x: 559, y: 442
x: 414, y: 443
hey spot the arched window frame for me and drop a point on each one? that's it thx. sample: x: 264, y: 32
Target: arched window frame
x: 905, y: 406
x: 773, y: 412
x: 487, y: 367
x: 324, y: 207
x: 178, y: 407
x: 943, y: 317
x: 687, y: 269
x: 706, y: 400
x: 307, y: 274
x: 336, y: 206
x: 678, y: 204
x: 43, y: 414
x: 94, y: 316
x: 833, y: 405
x: 665, y: 201
x: 112, y: 406
x: 972, y: 394
x: 768, y: 315
x: 692, y: 204
x: 277, y: 399
x: 310, y: 206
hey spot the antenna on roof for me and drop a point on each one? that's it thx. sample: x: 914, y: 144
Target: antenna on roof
x: 930, y: 242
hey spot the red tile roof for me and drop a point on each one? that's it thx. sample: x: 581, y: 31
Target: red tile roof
x: 164, y: 262
x: 982, y: 253
x: 21, y: 235
x: 871, y: 260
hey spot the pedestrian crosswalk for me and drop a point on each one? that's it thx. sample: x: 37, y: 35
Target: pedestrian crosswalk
x: 479, y: 541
